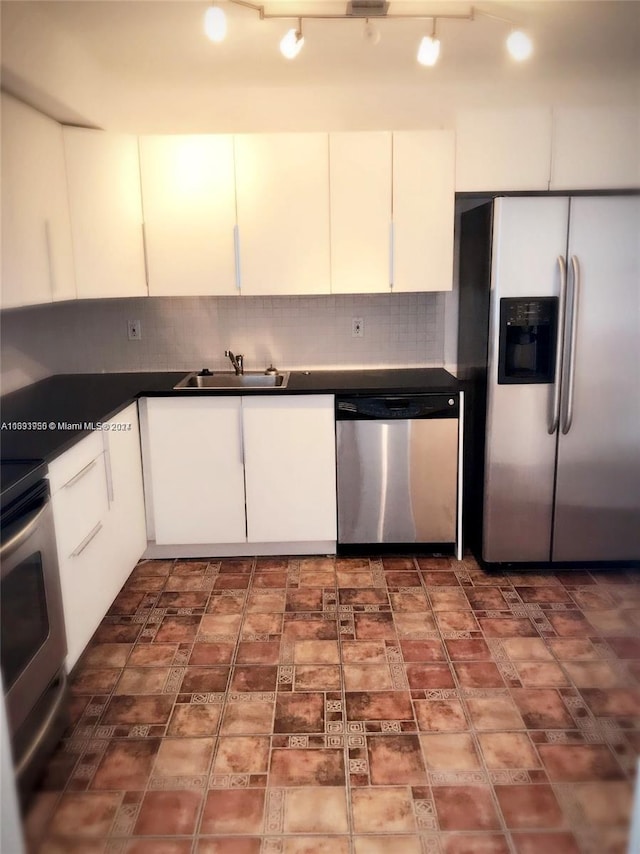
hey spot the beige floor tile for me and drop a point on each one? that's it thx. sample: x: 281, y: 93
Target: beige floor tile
x: 449, y: 752
x: 316, y: 810
x: 494, y: 713
x: 367, y: 677
x: 387, y: 845
x: 242, y: 755
x: 316, y: 652
x: 183, y: 757
x: 315, y: 845
x: 527, y: 649
x: 508, y: 750
x: 383, y: 810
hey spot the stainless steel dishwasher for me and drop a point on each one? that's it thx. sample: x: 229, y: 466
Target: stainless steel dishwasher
x: 399, y: 469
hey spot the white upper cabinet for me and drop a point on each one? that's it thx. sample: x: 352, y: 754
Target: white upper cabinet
x: 282, y: 185
x: 189, y: 203
x: 103, y: 175
x: 392, y: 211
x: 595, y: 148
x: 360, y: 191
x: 423, y: 210
x: 290, y: 468
x: 37, y: 255
x: 506, y: 149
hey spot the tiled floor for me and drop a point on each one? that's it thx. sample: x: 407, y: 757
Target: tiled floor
x: 351, y: 706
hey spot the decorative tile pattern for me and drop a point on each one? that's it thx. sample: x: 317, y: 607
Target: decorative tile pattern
x: 350, y: 705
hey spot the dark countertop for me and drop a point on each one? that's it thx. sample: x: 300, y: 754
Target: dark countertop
x: 383, y: 380
x: 57, y: 409
x: 68, y: 399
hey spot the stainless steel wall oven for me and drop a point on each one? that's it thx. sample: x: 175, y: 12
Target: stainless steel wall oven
x: 32, y: 642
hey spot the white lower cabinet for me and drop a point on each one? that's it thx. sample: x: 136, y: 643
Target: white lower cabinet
x: 80, y: 508
x: 239, y: 470
x: 98, y: 510
x: 125, y: 524
x: 290, y: 468
x: 194, y: 473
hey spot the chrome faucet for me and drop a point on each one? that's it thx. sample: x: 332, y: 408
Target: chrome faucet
x: 236, y: 361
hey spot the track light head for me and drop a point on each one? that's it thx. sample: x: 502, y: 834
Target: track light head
x: 371, y: 33
x: 292, y: 42
x: 519, y: 45
x: 215, y: 23
x: 429, y: 51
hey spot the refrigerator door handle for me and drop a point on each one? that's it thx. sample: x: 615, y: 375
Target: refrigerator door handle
x: 571, y: 365
x: 562, y: 303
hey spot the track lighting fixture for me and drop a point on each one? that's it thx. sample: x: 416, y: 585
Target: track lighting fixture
x: 519, y: 44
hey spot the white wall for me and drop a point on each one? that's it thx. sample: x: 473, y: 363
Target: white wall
x: 351, y: 107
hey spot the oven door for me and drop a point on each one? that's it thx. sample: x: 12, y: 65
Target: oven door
x: 33, y: 644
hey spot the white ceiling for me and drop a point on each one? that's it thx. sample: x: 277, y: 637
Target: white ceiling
x: 155, y: 45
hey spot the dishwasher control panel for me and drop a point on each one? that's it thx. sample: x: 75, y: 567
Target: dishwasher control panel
x: 397, y: 406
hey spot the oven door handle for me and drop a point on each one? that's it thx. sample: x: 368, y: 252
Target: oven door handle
x: 44, y: 728
x: 24, y: 533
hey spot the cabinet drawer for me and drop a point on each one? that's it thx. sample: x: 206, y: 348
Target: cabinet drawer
x: 79, y: 506
x: 66, y: 467
x: 82, y: 578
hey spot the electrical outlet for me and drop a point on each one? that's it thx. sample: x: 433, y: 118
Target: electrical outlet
x: 135, y: 330
x: 357, y: 327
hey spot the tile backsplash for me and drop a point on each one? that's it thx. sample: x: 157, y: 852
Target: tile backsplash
x: 185, y: 333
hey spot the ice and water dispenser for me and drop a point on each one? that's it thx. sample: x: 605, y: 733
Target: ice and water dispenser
x: 527, y: 341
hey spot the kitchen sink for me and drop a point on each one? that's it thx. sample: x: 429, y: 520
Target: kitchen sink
x: 227, y: 379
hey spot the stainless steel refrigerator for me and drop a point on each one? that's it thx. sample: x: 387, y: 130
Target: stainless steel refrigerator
x: 549, y: 337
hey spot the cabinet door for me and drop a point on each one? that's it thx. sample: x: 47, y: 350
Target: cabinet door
x: 127, y: 536
x: 37, y: 256
x: 195, y: 476
x: 503, y: 149
x: 423, y: 210
x: 595, y: 148
x: 189, y: 203
x: 282, y: 184
x: 103, y: 174
x: 290, y: 468
x: 360, y: 187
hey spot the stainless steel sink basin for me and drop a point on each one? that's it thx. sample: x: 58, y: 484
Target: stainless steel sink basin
x: 227, y: 379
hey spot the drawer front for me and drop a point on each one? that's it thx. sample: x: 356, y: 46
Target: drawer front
x: 79, y: 506
x: 66, y: 467
x: 84, y: 601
